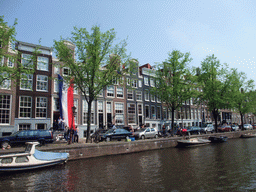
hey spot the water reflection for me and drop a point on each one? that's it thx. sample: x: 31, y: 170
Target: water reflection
x: 228, y: 166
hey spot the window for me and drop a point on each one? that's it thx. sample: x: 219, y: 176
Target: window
x: 134, y: 83
x: 110, y: 91
x: 10, y: 62
x: 56, y: 86
x: 153, y: 112
x: 152, y: 82
x: 56, y: 70
x: 145, y: 80
x: 146, y: 95
x: 100, y: 106
x: 25, y: 106
x: 6, y: 84
x: 42, y: 63
x: 119, y: 111
x: 158, y: 99
x: 26, y: 83
x: 140, y: 83
x: 85, y: 112
x: 109, y: 109
x: 158, y: 112
x: 139, y: 95
x: 21, y: 159
x: 24, y: 127
x: 100, y: 93
x: 76, y: 105
x: 131, y: 113
x: 41, y: 107
x: 153, y: 98
x: 128, y: 81
x: 2, y: 61
x: 56, y: 104
x: 164, y: 113
x: 146, y: 111
x: 129, y: 94
x: 140, y: 109
x: 26, y: 60
x: 66, y: 71
x: 120, y: 92
x: 5, y: 109
x: 42, y: 83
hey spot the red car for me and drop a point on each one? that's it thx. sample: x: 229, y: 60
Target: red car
x: 224, y: 128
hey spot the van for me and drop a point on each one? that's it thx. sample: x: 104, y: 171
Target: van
x: 21, y: 137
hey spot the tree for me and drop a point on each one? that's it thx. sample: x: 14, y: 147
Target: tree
x: 174, y: 81
x: 243, y: 96
x: 99, y: 62
x: 10, y: 71
x: 214, y: 80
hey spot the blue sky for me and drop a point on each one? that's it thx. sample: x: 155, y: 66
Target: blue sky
x: 225, y: 28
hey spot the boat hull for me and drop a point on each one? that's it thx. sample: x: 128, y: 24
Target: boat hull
x: 219, y: 139
x: 248, y: 135
x: 192, y: 142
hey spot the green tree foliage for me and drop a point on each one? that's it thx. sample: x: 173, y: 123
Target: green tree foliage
x: 99, y: 62
x: 242, y: 93
x: 7, y: 53
x: 174, y: 82
x: 214, y: 79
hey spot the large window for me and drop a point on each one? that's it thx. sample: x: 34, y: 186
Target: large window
x: 152, y: 82
x: 42, y: 83
x: 85, y: 112
x: 147, y: 111
x: 5, y: 109
x: 42, y: 63
x: 110, y: 91
x: 139, y: 95
x: 56, y: 86
x: 158, y: 112
x: 26, y: 60
x: 146, y: 81
x: 56, y: 104
x: 25, y: 106
x: 2, y: 61
x: 120, y: 92
x: 146, y: 95
x: 140, y: 109
x: 131, y: 113
x: 134, y: 83
x: 10, y: 62
x: 26, y: 83
x: 130, y: 94
x: 153, y: 112
x: 24, y: 127
x: 76, y: 105
x: 119, y: 111
x: 41, y: 107
x: 100, y: 106
x: 6, y: 84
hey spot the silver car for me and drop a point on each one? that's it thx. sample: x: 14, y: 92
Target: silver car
x: 247, y: 126
x: 146, y: 133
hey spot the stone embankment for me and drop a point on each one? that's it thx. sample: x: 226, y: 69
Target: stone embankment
x: 84, y: 150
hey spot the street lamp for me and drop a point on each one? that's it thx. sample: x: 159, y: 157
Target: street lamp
x: 72, y: 125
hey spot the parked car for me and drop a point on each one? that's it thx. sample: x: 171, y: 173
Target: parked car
x: 247, y: 126
x: 234, y: 127
x: 194, y: 130
x: 146, y: 133
x: 116, y: 134
x: 21, y: 137
x: 97, y: 135
x: 224, y: 128
x: 208, y: 128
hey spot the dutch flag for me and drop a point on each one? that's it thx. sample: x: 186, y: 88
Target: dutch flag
x: 66, y: 96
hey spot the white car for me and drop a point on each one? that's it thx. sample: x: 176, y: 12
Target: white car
x: 234, y: 127
x: 208, y: 128
x: 247, y: 126
x: 146, y: 133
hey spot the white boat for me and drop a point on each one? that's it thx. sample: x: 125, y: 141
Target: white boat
x: 31, y: 159
x: 191, y: 142
x: 248, y: 135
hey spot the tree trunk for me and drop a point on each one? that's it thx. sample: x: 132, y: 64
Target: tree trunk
x: 89, y: 122
x: 242, y: 120
x: 215, y: 116
x: 172, y: 128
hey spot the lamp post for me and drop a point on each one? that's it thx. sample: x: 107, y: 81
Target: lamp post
x: 72, y: 125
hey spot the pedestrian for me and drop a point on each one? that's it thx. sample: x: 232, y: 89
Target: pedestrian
x: 59, y: 123
x: 55, y: 125
x: 113, y: 126
x: 76, y: 137
x: 164, y: 131
x: 63, y: 124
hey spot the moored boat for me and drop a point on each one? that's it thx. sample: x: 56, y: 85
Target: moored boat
x: 31, y: 159
x: 248, y: 135
x: 218, y: 139
x: 191, y: 142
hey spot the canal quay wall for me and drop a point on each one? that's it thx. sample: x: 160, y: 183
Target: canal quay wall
x: 84, y: 150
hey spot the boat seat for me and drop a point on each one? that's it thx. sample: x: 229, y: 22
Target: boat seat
x: 48, y: 156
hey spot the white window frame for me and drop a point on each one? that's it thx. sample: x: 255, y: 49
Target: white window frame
x: 153, y: 112
x: 119, y: 113
x: 152, y: 82
x: 158, y: 113
x: 56, y: 104
x: 120, y: 92
x: 5, y: 109
x: 56, y: 85
x: 111, y: 91
x: 41, y: 83
x: 140, y: 83
x: 41, y: 107
x: 134, y: 83
x: 131, y: 113
x: 27, y: 59
x: 42, y: 63
x: 146, y: 81
x: 146, y: 95
x: 10, y: 62
x: 27, y: 83
x: 6, y: 84
x: 85, y: 113
x: 27, y: 107
x: 2, y: 61
x: 139, y: 95
x: 130, y: 94
x: 149, y: 112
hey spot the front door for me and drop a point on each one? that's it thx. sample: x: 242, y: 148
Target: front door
x: 101, y: 120
x: 109, y: 120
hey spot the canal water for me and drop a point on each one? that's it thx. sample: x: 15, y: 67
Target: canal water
x: 229, y: 166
